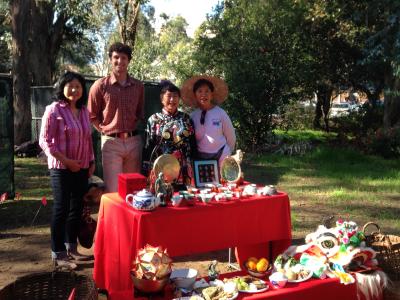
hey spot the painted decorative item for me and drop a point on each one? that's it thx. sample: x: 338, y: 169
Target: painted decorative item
x: 231, y: 171
x: 212, y: 270
x: 143, y: 200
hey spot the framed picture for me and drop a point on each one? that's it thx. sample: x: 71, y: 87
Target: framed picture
x: 205, y: 171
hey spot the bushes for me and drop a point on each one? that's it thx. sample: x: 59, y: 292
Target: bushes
x: 296, y: 116
x: 384, y: 142
x: 359, y: 123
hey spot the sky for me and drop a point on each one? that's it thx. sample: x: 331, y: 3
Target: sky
x: 194, y: 11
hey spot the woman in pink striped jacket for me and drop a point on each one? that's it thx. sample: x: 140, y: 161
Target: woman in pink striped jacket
x: 65, y: 137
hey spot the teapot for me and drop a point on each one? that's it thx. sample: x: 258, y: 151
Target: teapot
x: 143, y: 200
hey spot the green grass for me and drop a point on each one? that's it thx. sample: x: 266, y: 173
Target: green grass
x: 32, y: 182
x: 304, y: 135
x: 325, y: 181
x: 333, y: 181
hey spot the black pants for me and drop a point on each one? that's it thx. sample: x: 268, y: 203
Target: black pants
x: 68, y: 191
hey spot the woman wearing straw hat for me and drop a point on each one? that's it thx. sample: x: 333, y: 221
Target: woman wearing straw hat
x: 215, y: 135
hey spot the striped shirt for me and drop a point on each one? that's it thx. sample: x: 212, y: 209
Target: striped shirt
x: 117, y: 108
x: 62, y: 132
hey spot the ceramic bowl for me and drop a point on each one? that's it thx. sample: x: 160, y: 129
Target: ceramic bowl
x: 205, y: 191
x: 188, y: 196
x: 206, y: 198
x: 219, y: 197
x: 228, y: 196
x: 184, y: 278
x: 278, y: 280
x: 176, y: 200
x: 149, y: 286
x: 193, y: 190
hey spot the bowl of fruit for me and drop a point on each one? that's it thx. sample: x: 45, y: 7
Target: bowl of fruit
x: 258, y: 267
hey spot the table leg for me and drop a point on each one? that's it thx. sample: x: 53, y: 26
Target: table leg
x: 230, y: 264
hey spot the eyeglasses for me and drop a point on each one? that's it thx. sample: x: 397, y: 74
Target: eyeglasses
x: 203, y: 117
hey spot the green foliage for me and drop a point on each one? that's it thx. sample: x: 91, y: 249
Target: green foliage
x: 383, y: 44
x: 243, y: 42
x: 168, y: 54
x: 359, y: 123
x: 385, y: 142
x: 296, y: 115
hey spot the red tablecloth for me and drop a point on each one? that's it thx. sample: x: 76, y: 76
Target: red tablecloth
x: 255, y: 225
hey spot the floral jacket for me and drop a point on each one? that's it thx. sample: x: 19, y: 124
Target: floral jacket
x: 170, y: 134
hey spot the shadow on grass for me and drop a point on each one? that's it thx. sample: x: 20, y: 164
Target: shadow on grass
x: 331, y: 180
x: 16, y: 214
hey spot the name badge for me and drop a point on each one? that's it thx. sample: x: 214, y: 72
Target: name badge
x: 216, y: 122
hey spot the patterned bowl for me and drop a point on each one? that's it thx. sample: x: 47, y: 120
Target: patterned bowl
x: 149, y: 286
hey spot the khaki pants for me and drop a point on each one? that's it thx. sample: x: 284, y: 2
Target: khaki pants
x: 120, y: 156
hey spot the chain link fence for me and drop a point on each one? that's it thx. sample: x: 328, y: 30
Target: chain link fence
x: 6, y: 137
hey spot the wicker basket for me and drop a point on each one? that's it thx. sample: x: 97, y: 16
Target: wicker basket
x: 387, y: 249
x: 50, y: 285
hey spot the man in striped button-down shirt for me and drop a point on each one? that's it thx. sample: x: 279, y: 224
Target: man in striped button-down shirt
x: 116, y: 104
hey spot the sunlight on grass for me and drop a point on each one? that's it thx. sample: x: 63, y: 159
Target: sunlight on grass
x: 337, y: 181
x: 304, y: 135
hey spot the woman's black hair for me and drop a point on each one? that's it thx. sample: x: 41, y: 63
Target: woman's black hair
x: 66, y: 78
x: 202, y: 82
x: 168, y: 86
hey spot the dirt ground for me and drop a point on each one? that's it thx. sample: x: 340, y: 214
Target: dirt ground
x: 27, y: 250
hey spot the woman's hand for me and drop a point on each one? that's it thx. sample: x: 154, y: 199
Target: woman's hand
x: 92, y: 167
x: 73, y: 165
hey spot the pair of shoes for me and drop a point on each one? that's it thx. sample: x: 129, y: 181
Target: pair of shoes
x: 64, y: 263
x: 75, y: 255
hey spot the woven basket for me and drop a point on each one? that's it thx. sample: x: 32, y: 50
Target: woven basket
x: 50, y: 285
x: 387, y: 249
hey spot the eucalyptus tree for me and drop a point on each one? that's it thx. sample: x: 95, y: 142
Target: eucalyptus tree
x: 39, y: 29
x: 176, y: 50
x: 128, y: 14
x: 164, y: 55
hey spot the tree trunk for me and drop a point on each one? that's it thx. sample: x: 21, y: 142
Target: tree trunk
x: 326, y: 98
x: 46, y: 42
x: 391, y: 115
x: 20, y: 11
x: 318, y: 113
x: 132, y: 30
x: 322, y: 108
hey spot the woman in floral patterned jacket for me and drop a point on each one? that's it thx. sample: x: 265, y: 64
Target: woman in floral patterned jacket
x: 170, y: 132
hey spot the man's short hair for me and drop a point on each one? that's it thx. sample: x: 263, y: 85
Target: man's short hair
x: 121, y: 48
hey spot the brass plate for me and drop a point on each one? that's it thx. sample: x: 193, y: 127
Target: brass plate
x: 169, y: 165
x: 230, y: 169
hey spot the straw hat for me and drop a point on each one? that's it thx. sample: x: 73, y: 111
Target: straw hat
x: 219, y: 95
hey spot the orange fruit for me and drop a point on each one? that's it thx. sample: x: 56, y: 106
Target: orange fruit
x: 255, y: 259
x: 262, y: 265
x: 252, y: 265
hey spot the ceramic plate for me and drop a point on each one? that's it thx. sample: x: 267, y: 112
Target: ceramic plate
x: 197, y: 297
x: 304, y: 279
x: 234, y: 296
x: 256, y: 291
